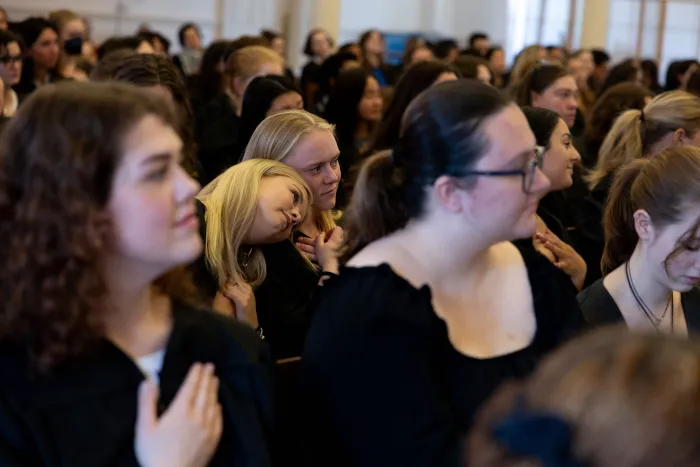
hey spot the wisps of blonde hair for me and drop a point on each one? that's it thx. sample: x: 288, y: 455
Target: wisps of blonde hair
x: 635, y: 132
x: 231, y: 203
x: 277, y: 136
x: 245, y: 63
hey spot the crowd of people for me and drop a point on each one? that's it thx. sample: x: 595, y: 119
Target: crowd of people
x: 212, y: 260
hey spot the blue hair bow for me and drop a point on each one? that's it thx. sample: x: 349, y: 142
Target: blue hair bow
x: 540, y: 436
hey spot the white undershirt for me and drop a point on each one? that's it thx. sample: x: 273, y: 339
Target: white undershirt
x: 151, y: 365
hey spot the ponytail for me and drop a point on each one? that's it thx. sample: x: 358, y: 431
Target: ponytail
x: 376, y: 208
x: 620, y: 234
x: 623, y: 144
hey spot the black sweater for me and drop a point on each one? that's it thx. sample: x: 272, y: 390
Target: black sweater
x: 383, y: 385
x: 84, y: 412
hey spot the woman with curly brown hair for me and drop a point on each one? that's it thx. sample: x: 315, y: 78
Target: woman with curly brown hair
x: 158, y: 74
x: 96, y: 218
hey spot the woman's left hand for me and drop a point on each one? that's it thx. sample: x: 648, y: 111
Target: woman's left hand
x: 566, y: 258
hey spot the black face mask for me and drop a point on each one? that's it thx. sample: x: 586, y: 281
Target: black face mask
x: 73, y: 46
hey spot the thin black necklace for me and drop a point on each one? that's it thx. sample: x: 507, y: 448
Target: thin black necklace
x: 653, y: 319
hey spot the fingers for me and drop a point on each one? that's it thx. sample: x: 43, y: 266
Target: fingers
x: 306, y: 241
x: 306, y: 248
x: 213, y: 409
x: 558, y: 250
x: 203, y: 397
x: 147, y: 416
x: 337, y: 235
x: 187, y: 392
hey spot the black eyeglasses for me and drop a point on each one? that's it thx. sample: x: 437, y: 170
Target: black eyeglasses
x: 10, y: 59
x: 527, y: 173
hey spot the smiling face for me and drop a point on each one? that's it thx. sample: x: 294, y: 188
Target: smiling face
x: 279, y: 210
x: 152, y: 202
x: 560, y: 158
x: 315, y: 157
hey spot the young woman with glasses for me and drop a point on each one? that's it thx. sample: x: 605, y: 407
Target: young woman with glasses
x: 435, y: 307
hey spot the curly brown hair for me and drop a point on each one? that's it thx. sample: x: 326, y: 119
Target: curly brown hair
x: 147, y: 70
x: 58, y: 157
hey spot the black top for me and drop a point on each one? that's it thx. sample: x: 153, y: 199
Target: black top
x: 281, y: 300
x: 599, y: 308
x: 84, y: 412
x: 216, y: 135
x: 384, y: 386
x: 589, y: 236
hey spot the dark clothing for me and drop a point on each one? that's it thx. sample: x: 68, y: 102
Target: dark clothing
x: 217, y: 134
x: 599, y: 308
x: 555, y: 212
x: 383, y: 385
x: 84, y: 412
x: 589, y: 237
x: 281, y: 300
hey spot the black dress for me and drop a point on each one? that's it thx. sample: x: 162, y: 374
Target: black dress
x: 382, y: 384
x: 217, y: 135
x: 589, y: 237
x: 84, y: 412
x: 599, y: 308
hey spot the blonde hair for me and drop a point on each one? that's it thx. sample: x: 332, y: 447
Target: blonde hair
x: 635, y: 132
x: 276, y: 137
x: 527, y: 59
x: 63, y: 17
x: 231, y: 203
x: 245, y: 63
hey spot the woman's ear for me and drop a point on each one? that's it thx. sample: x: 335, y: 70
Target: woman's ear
x: 644, y: 226
x: 447, y: 193
x: 679, y: 137
x: 534, y: 98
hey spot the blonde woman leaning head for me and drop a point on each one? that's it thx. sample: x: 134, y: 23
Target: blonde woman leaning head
x: 306, y: 143
x: 254, y: 203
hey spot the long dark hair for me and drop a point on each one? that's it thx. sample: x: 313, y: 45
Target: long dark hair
x: 208, y: 82
x: 258, y: 98
x: 343, y: 101
x: 676, y: 69
x: 441, y: 135
x: 417, y: 79
x: 59, y: 156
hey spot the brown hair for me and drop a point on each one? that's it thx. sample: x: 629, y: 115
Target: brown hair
x: 59, y: 155
x: 146, y: 70
x: 663, y: 186
x: 537, y: 81
x: 630, y: 400
x: 468, y: 66
x: 632, y: 137
x: 615, y: 101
